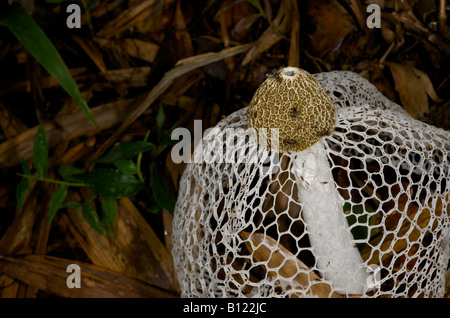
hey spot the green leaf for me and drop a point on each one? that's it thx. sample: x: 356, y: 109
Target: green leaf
x: 111, y: 183
x: 258, y: 6
x: 153, y: 207
x: 72, y: 205
x: 91, y: 216
x: 109, y: 212
x: 25, y: 167
x: 67, y: 172
x: 126, y: 166
x: 160, y: 189
x: 125, y: 150
x: 33, y: 38
x: 21, y: 193
x: 158, y: 12
x: 166, y: 140
x: 40, y: 152
x: 56, y: 202
x: 92, y: 5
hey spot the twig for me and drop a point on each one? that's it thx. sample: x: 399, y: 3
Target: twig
x: 443, y: 17
x: 410, y: 23
x: 294, y: 48
x: 385, y: 55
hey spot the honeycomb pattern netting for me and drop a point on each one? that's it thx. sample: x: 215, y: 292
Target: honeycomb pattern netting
x: 376, y: 223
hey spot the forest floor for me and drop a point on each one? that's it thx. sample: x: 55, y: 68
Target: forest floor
x: 125, y: 59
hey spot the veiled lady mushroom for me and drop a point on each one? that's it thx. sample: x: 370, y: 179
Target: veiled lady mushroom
x: 294, y: 102
x: 244, y: 226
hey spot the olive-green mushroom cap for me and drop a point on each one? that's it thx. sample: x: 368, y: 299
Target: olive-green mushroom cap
x: 292, y: 101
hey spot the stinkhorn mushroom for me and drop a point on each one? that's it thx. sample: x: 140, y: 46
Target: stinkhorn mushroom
x: 319, y: 178
x: 294, y: 102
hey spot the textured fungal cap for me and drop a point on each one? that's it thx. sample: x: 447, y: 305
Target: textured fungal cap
x: 292, y: 101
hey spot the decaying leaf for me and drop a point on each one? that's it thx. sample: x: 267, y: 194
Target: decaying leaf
x: 143, y: 50
x: 144, y: 11
x: 92, y: 50
x: 135, y: 77
x: 50, y: 274
x: 332, y: 24
x: 135, y: 250
x: 414, y: 87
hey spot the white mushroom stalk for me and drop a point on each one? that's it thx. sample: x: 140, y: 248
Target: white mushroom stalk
x: 293, y: 101
x: 332, y: 243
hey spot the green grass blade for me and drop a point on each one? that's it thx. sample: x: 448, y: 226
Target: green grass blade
x: 91, y: 216
x: 25, y: 167
x: 22, y: 187
x: 21, y: 193
x: 125, y: 150
x: 160, y: 189
x: 67, y: 171
x: 126, y: 166
x: 111, y: 183
x: 28, y: 32
x: 109, y: 213
x: 56, y: 202
x: 40, y: 152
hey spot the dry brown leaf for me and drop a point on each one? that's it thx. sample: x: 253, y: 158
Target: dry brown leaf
x: 75, y: 153
x: 144, y: 12
x: 332, y: 23
x: 143, y: 50
x: 414, y: 87
x: 134, y: 250
x: 358, y: 10
x: 50, y: 275
x: 183, y: 38
x: 9, y: 287
x: 11, y: 124
x: 134, y: 77
x: 242, y: 26
x: 19, y: 233
x: 235, y: 11
x: 149, y: 237
x: 65, y: 128
x: 273, y: 34
x: 46, y: 82
x: 92, y: 50
x: 270, y: 251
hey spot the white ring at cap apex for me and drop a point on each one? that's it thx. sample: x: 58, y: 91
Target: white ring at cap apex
x: 289, y: 72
